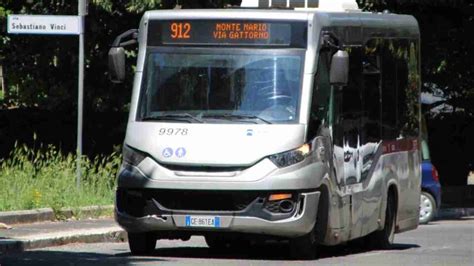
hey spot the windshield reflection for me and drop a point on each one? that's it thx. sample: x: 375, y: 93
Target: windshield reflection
x: 223, y: 87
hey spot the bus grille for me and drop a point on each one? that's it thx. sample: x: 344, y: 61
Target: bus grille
x: 202, y: 200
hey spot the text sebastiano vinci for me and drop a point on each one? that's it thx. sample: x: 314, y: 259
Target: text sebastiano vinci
x: 32, y: 26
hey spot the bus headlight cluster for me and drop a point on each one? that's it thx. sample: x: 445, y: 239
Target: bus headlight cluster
x: 288, y: 158
x: 132, y: 156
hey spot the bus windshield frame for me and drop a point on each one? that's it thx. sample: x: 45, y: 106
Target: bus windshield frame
x: 222, y: 85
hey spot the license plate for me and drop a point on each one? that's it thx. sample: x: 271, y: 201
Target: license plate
x: 203, y: 221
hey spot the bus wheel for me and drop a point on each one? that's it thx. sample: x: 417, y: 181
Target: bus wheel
x: 141, y: 243
x: 383, y: 239
x: 217, y: 243
x: 305, y: 247
x: 222, y: 243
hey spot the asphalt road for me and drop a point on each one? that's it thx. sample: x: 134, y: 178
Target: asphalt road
x: 439, y: 243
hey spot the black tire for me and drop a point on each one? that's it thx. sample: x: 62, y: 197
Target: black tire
x: 141, y: 243
x: 427, y: 207
x: 217, y: 243
x: 383, y: 239
x: 305, y: 247
x: 222, y: 243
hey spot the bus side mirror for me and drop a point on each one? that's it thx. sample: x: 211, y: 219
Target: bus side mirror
x: 339, y: 73
x: 117, y: 64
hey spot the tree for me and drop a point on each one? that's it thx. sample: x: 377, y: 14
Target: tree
x: 447, y: 56
x: 29, y: 60
x: 446, y: 45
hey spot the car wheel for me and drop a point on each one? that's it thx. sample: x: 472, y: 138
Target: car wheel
x: 141, y: 243
x: 427, y: 207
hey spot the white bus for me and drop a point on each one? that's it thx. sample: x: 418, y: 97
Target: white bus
x: 299, y: 124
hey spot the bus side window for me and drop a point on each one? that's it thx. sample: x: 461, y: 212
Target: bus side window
x: 321, y: 96
x: 347, y: 113
x: 371, y: 64
x: 389, y: 93
x: 351, y: 114
x: 401, y: 84
x: 346, y: 104
x: 371, y: 104
x: 407, y: 70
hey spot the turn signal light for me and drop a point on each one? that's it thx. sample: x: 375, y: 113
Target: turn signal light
x: 276, y: 197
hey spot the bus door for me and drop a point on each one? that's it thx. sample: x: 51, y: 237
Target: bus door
x: 349, y: 102
x: 323, y: 115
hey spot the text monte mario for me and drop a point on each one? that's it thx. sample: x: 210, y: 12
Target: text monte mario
x: 241, y: 31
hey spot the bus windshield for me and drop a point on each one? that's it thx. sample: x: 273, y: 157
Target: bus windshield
x: 222, y: 86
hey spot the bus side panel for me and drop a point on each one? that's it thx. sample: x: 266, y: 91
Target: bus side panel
x: 373, y: 191
x: 369, y: 198
x: 339, y: 214
x: 408, y: 213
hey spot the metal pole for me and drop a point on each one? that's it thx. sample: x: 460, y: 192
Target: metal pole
x: 80, y: 96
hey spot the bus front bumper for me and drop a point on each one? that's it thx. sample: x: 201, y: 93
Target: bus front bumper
x: 253, y: 220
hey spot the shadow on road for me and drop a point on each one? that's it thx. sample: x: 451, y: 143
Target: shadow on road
x: 271, y: 252
x: 268, y: 252
x: 66, y: 258
x: 260, y: 252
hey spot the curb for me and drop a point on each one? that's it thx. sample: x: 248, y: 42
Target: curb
x: 112, y: 234
x: 454, y: 213
x: 85, y: 212
x: 30, y: 216
x: 48, y: 215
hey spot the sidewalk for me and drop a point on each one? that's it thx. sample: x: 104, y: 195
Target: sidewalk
x: 45, y: 234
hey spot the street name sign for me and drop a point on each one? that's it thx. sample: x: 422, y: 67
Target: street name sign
x: 44, y: 24
x: 59, y: 25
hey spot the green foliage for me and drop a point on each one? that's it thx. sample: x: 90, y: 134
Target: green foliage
x: 143, y: 5
x: 41, y: 71
x: 134, y: 6
x: 446, y: 27
x: 44, y: 177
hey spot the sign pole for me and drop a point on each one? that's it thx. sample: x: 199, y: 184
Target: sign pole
x: 80, y: 96
x: 59, y: 25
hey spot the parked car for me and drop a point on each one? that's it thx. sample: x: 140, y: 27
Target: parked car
x: 430, y: 199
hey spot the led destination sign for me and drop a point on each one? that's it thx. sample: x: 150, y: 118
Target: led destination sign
x: 203, y: 32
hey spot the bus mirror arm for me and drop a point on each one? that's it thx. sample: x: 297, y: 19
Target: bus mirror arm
x: 330, y: 40
x: 133, y: 34
x: 339, y: 72
x: 117, y: 55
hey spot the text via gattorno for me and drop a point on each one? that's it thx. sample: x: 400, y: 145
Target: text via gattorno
x: 243, y: 31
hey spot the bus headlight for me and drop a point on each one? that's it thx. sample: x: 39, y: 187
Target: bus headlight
x: 132, y: 156
x: 288, y: 158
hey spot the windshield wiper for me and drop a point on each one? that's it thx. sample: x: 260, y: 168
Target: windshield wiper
x: 176, y: 117
x: 239, y: 117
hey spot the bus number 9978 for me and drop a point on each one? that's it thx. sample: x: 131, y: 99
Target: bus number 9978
x: 173, y: 131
